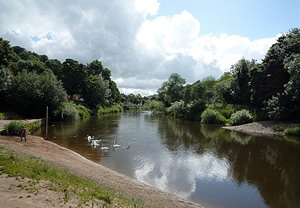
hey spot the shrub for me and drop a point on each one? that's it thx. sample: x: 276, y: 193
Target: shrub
x: 212, y: 117
x: 13, y: 128
x: 294, y: 131
x: 194, y: 110
x: 68, y: 111
x: 241, y: 117
x: 111, y: 109
x: 154, y: 106
x: 83, y: 111
x: 177, y: 109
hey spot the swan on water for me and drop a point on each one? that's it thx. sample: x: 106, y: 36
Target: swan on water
x: 103, y: 147
x: 90, y: 138
x: 116, y: 145
x: 96, y: 142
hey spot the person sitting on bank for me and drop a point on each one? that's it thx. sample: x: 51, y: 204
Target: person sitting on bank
x: 23, y: 133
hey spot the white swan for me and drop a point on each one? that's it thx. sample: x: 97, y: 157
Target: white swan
x: 116, y: 145
x: 95, y: 143
x: 90, y: 138
x: 103, y: 147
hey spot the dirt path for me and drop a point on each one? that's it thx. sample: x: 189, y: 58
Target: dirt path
x: 80, y: 166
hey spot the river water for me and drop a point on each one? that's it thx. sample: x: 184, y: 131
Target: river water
x: 201, y: 163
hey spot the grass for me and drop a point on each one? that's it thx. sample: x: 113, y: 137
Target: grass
x: 25, y: 166
x: 293, y: 131
x: 112, y: 109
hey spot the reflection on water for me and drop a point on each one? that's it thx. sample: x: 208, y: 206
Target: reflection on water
x: 201, y: 163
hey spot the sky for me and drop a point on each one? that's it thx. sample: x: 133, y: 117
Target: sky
x: 143, y: 42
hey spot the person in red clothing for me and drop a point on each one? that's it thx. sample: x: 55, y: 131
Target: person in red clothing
x: 23, y: 133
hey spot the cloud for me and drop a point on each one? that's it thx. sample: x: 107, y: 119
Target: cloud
x: 136, y: 44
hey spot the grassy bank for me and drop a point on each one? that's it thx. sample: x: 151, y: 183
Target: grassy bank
x: 86, y: 192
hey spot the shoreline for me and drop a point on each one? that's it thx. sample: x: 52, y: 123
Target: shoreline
x: 262, y: 128
x: 81, y: 166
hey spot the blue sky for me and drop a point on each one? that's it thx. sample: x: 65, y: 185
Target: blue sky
x: 251, y: 18
x: 143, y: 42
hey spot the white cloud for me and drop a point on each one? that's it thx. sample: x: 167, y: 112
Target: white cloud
x: 147, y: 6
x: 133, y: 46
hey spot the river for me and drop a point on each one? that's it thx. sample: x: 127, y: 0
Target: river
x: 201, y: 163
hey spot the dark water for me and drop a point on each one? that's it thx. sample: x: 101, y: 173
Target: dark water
x: 204, y: 164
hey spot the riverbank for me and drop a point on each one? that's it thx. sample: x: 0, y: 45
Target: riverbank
x: 4, y: 122
x: 77, y: 165
x: 267, y: 128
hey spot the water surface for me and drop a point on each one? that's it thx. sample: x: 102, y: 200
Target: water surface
x: 204, y: 164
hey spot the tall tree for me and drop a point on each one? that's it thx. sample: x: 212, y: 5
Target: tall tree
x: 74, y: 77
x: 97, y: 91
x: 5, y: 52
x: 172, y: 90
x: 240, y: 83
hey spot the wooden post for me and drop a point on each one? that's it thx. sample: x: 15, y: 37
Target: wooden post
x: 47, y: 122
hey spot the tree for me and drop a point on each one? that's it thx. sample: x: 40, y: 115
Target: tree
x: 269, y: 78
x: 56, y: 67
x: 30, y: 93
x: 172, y: 90
x: 5, y: 52
x: 95, y: 68
x: 97, y: 91
x: 5, y: 82
x: 74, y: 77
x: 114, y: 92
x: 239, y: 86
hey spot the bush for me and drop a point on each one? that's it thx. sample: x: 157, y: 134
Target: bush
x: 83, y: 111
x: 194, y: 110
x: 177, y: 109
x: 212, y: 117
x: 112, y: 109
x: 293, y: 131
x: 241, y: 117
x: 13, y: 128
x: 154, y: 106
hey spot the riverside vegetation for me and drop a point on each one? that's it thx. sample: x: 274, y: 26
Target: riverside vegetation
x: 250, y: 91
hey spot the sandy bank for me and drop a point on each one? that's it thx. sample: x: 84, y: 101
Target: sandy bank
x: 80, y: 166
x: 262, y: 128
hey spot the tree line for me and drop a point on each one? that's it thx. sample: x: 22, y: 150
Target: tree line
x: 268, y: 90
x: 29, y: 82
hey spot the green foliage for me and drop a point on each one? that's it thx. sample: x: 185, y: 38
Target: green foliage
x: 112, y: 109
x: 68, y: 111
x: 5, y: 53
x: 5, y: 79
x: 83, y: 111
x: 293, y: 131
x: 193, y: 110
x: 13, y: 128
x: 241, y: 117
x: 74, y: 76
x: 30, y: 93
x: 172, y: 90
x: 212, y: 117
x: 155, y: 106
x: 97, y: 91
x: 225, y: 109
x: 176, y: 109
